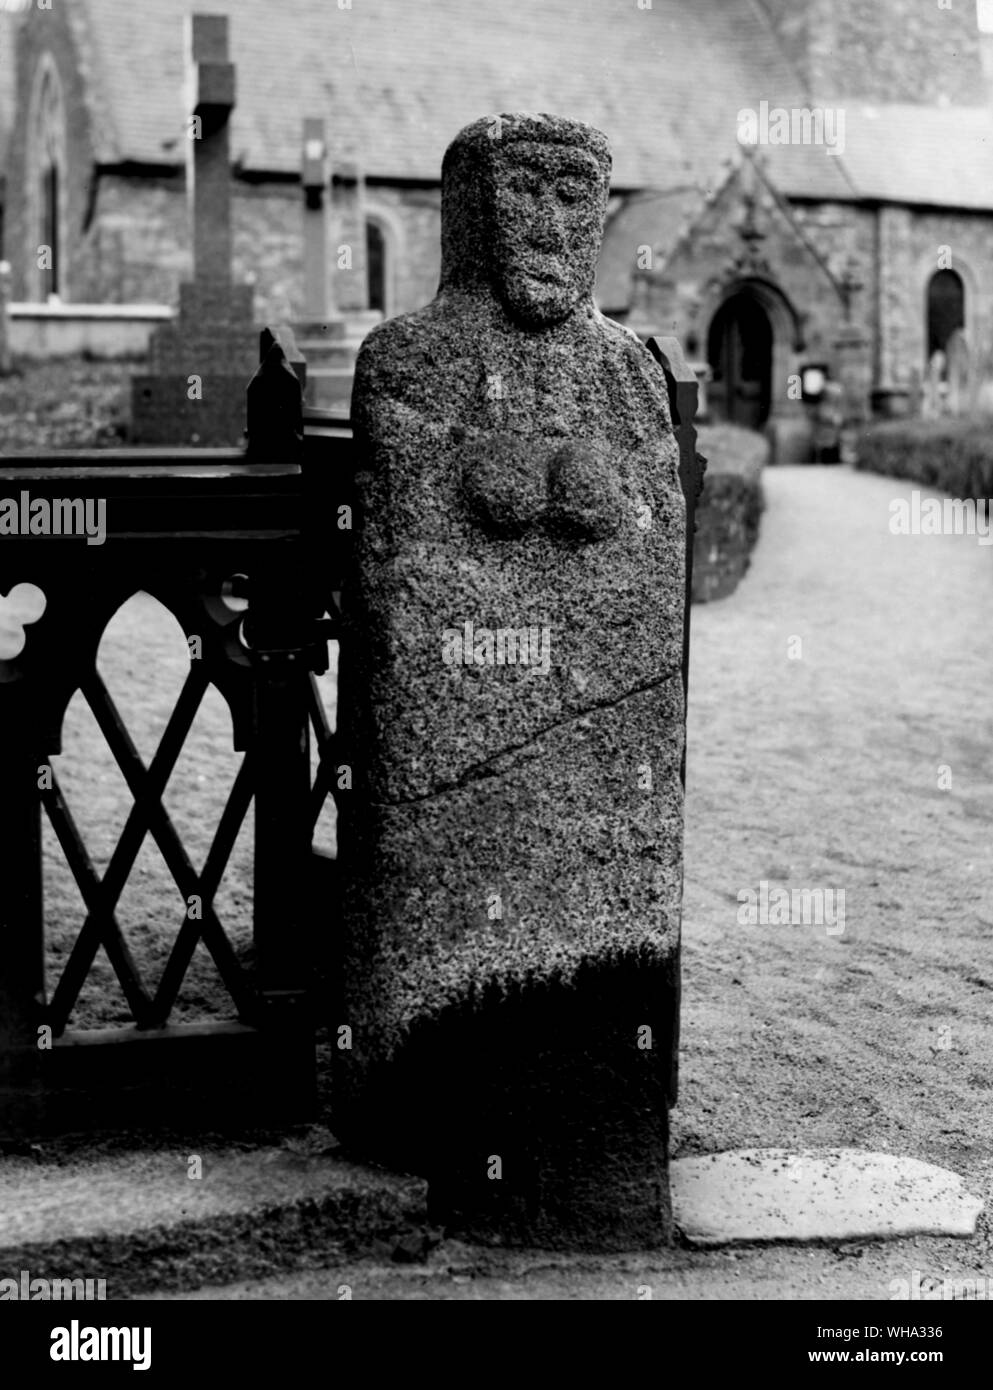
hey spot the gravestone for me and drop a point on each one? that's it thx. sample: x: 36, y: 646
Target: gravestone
x: 512, y: 712
x: 194, y: 390
x: 934, y: 403
x: 958, y: 368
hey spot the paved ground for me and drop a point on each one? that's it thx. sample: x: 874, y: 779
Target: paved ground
x: 816, y: 772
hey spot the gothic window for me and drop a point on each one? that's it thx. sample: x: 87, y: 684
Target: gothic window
x: 50, y: 230
x: 48, y: 158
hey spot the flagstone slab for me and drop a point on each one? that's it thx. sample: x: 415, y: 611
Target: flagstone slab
x: 838, y: 1194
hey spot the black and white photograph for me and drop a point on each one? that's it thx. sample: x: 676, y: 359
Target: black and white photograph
x: 496, y: 702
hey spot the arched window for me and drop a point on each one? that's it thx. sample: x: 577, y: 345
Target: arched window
x: 47, y: 181
x: 50, y: 231
x: 945, y: 309
x: 376, y: 265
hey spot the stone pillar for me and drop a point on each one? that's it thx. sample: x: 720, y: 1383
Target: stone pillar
x: 512, y: 710
x: 351, y: 286
x: 891, y: 392
x: 314, y: 178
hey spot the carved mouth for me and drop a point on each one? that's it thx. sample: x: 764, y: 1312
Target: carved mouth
x: 546, y: 277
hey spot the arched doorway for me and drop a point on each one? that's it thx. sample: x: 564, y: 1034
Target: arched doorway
x: 739, y: 350
x: 945, y: 309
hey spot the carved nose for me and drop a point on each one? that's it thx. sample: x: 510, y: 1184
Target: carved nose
x: 547, y: 231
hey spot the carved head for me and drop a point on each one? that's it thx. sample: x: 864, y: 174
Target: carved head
x: 523, y: 205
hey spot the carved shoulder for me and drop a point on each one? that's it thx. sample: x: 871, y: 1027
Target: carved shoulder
x: 388, y: 361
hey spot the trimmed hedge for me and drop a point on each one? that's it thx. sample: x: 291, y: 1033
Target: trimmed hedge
x: 729, y: 508
x: 953, y: 455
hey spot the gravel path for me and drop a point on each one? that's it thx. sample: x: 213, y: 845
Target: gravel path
x: 824, y: 772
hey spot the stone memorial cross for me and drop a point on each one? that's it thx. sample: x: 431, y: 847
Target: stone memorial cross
x: 212, y: 78
x: 193, y: 391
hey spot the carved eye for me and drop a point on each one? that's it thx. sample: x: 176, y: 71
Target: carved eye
x: 569, y: 192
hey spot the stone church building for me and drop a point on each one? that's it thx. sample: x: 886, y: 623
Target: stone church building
x: 847, y: 228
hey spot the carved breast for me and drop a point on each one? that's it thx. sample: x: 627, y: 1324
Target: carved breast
x: 512, y: 485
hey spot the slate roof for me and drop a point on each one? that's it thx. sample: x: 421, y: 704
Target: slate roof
x: 921, y: 154
x: 645, y: 219
x: 395, y: 79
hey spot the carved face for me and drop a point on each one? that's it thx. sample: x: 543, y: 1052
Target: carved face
x: 548, y: 207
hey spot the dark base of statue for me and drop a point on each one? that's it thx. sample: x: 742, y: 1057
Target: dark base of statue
x: 539, y: 1117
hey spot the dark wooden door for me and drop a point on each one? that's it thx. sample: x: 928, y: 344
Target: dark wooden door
x: 740, y: 354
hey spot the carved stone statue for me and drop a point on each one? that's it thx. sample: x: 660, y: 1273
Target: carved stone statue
x: 512, y: 711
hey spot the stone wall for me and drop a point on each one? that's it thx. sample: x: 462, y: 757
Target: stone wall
x: 137, y: 247
x: 913, y: 245
x: 137, y: 250
x: 411, y: 222
x: 896, y: 250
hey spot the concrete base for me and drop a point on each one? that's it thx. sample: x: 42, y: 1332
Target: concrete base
x: 841, y: 1194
